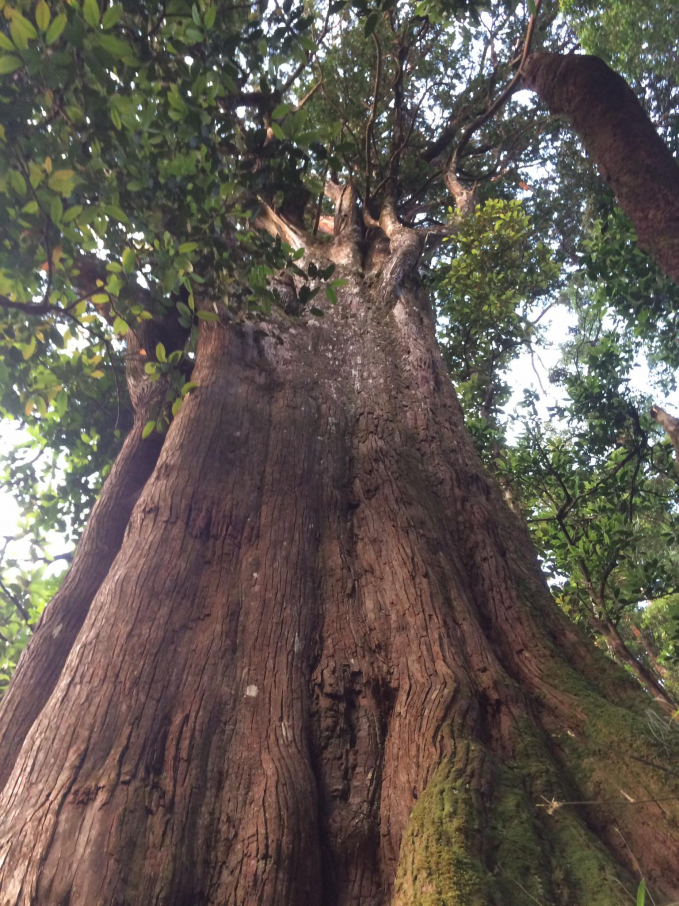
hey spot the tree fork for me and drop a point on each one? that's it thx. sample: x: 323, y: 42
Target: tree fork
x: 622, y: 141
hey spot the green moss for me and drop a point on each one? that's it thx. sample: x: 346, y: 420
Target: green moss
x: 482, y: 844
x: 440, y: 863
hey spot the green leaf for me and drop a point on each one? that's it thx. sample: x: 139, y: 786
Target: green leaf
x: 207, y: 315
x: 641, y: 893
x: 210, y: 15
x: 5, y: 43
x: 91, y: 12
x: 331, y: 294
x: 193, y: 35
x: 72, y: 213
x: 42, y: 16
x: 160, y: 353
x: 62, y: 181
x: 9, y: 63
x: 22, y: 30
x: 111, y: 16
x: 188, y: 387
x: 116, y: 213
x: 61, y: 403
x: 281, y: 111
x: 115, y: 46
x: 56, y: 28
x: 277, y: 131
x: 176, y: 406
x: 27, y: 349
x: 56, y: 209
x: 148, y: 429
x: 120, y: 326
x: 30, y: 208
x: 151, y: 367
x: 17, y: 182
x: 187, y: 247
x: 129, y: 260
x: 317, y: 312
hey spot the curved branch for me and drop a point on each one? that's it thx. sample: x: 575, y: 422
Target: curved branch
x: 623, y: 142
x: 501, y: 98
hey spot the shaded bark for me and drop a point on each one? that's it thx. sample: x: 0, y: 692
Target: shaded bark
x: 621, y: 139
x: 42, y: 661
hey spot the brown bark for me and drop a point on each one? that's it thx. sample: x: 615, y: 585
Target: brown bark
x: 620, y: 651
x: 324, y: 669
x: 42, y: 661
x: 671, y: 426
x: 621, y: 139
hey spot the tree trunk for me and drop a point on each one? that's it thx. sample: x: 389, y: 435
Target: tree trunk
x: 324, y: 668
x: 651, y: 680
x: 42, y: 661
x: 621, y: 139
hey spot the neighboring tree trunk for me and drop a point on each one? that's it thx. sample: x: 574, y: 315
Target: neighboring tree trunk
x: 619, y: 650
x: 621, y: 139
x: 41, y: 663
x: 671, y: 426
x: 324, y: 668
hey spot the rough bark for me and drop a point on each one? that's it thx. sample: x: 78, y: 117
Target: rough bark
x: 619, y: 650
x: 621, y: 139
x: 42, y: 661
x: 671, y: 426
x: 324, y: 667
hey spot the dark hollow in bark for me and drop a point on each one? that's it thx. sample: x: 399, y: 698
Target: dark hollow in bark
x: 324, y: 668
x: 621, y: 139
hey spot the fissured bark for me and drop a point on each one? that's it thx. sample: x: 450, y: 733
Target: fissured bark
x: 42, y: 661
x: 621, y: 139
x: 324, y: 668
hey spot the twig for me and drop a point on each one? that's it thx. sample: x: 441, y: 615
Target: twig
x: 554, y: 804
x: 371, y: 116
x: 503, y: 97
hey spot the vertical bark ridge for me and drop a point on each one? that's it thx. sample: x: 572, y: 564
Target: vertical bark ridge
x: 42, y: 662
x: 324, y: 668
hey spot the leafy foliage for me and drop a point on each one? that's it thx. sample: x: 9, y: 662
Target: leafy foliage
x: 488, y: 279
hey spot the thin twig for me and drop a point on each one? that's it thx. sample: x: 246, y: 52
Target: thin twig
x: 503, y: 97
x: 371, y: 116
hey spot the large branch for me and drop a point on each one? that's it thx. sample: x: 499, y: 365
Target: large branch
x: 620, y: 137
x: 670, y: 424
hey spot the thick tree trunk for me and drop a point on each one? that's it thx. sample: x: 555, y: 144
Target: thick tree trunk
x: 621, y: 139
x: 324, y: 669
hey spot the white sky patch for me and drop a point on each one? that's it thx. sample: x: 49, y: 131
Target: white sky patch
x: 532, y: 372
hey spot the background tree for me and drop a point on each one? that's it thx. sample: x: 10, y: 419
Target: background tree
x: 304, y: 652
